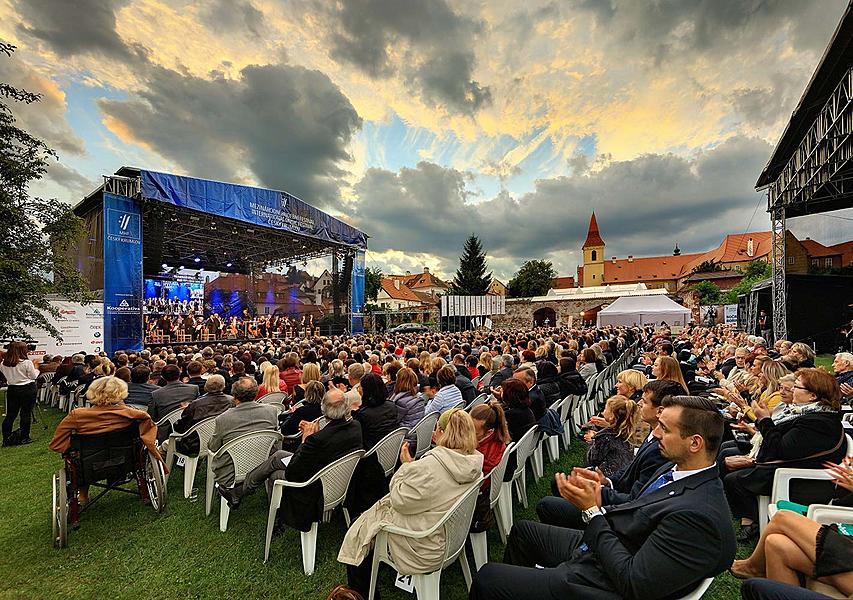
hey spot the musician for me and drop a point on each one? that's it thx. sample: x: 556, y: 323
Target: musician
x: 214, y: 325
x: 164, y: 324
x: 188, y: 326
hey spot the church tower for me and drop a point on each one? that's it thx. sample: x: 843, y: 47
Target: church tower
x: 593, y: 256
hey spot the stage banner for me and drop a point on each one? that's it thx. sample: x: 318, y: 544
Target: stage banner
x: 357, y: 317
x: 269, y: 208
x: 81, y: 328
x: 122, y: 274
x: 730, y: 314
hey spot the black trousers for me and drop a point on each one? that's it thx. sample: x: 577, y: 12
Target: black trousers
x: 273, y: 467
x: 529, y: 544
x: 358, y: 577
x: 742, y: 501
x: 556, y: 510
x: 19, y: 399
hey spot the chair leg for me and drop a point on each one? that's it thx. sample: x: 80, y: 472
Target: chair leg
x: 552, y: 445
x: 536, y: 461
x: 763, y: 512
x: 427, y: 586
x: 466, y: 569
x: 224, y: 511
x: 503, y: 512
x: 309, y: 548
x: 374, y: 569
x: 347, y: 517
x: 480, y: 546
x: 275, y: 502
x: 521, y: 488
x: 190, y: 464
x: 208, y: 490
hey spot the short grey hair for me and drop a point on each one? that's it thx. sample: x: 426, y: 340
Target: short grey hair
x: 846, y: 357
x: 245, y: 389
x: 335, y: 405
x: 214, y: 384
x: 507, y: 360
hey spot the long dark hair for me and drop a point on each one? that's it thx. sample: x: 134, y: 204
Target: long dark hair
x: 16, y: 353
x: 373, y: 390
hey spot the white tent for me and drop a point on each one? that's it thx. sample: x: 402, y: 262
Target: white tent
x: 644, y: 310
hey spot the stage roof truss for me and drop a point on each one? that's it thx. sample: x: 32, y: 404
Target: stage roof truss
x: 818, y: 177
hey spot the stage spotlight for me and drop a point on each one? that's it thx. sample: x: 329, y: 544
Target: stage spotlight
x: 196, y: 260
x: 229, y: 265
x: 165, y: 266
x: 182, y: 267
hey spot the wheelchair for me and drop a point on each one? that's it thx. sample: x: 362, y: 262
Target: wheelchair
x: 107, y: 461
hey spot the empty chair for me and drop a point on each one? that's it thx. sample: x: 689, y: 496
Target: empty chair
x: 479, y: 540
x: 481, y: 399
x: 423, y: 433
x: 335, y: 479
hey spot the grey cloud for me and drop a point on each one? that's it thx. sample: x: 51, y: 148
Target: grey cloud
x: 234, y: 16
x: 77, y: 27
x: 766, y: 105
x: 44, y: 119
x: 75, y: 184
x: 439, y: 61
x: 643, y: 206
x: 289, y: 125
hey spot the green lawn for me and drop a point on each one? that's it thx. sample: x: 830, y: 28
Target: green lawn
x: 825, y: 361
x: 125, y: 550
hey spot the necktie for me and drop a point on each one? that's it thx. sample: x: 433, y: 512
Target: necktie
x: 658, y: 483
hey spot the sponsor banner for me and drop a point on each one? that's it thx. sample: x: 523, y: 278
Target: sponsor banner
x: 357, y: 318
x: 122, y: 274
x: 269, y: 208
x: 81, y: 328
x: 472, y: 306
x: 730, y: 314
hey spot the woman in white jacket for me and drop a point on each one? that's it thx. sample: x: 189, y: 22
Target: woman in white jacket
x: 421, y: 492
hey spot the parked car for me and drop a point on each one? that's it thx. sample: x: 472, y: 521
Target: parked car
x: 409, y: 328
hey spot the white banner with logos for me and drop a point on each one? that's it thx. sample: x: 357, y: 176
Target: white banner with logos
x: 731, y: 314
x: 81, y: 328
x: 472, y: 306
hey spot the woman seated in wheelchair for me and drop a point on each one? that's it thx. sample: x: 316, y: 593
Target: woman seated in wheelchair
x: 107, y: 412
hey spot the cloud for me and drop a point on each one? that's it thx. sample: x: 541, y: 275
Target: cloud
x: 45, y: 119
x: 285, y: 126
x: 71, y: 181
x: 426, y: 42
x: 643, y: 206
x: 78, y: 27
x: 234, y: 16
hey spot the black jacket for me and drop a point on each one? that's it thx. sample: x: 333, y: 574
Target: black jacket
x: 199, y: 381
x: 537, y: 402
x: 289, y: 422
x: 302, y: 506
x: 660, y: 545
x: 376, y: 422
x: 499, y: 376
x: 550, y: 388
x: 630, y: 479
x: 608, y: 452
x: 209, y: 405
x: 469, y: 392
x: 572, y: 384
x: 727, y: 365
x: 368, y: 482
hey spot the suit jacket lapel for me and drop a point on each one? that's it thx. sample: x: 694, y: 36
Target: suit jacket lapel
x: 676, y: 488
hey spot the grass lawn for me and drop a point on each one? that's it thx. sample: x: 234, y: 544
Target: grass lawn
x: 125, y: 550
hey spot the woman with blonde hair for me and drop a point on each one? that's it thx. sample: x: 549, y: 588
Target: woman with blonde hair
x: 666, y: 367
x: 310, y: 372
x: 107, y: 412
x: 629, y: 383
x: 420, y: 493
x: 271, y: 382
x: 609, y: 449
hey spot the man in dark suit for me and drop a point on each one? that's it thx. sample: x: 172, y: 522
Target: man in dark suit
x: 662, y: 544
x: 194, y: 370
x: 537, y: 398
x: 627, y: 483
x: 171, y: 396
x: 139, y: 390
x: 319, y: 448
x: 505, y: 371
x: 213, y: 403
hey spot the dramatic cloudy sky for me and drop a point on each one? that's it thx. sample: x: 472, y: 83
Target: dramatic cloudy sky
x: 421, y: 121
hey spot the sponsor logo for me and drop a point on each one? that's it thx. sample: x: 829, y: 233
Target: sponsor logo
x: 123, y: 222
x: 124, y: 304
x: 97, y: 334
x: 68, y: 312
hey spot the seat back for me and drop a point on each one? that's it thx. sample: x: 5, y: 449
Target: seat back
x: 111, y: 455
x: 457, y: 522
x: 496, y: 476
x: 336, y: 477
x: 423, y: 433
x: 481, y: 399
x: 700, y: 590
x: 274, y: 398
x: 524, y: 447
x: 388, y: 449
x: 248, y: 451
x: 170, y: 418
x: 204, y: 429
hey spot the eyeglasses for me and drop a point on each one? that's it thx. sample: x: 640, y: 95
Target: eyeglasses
x: 799, y: 387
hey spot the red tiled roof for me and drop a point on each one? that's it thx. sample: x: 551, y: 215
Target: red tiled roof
x: 563, y: 283
x: 733, y: 249
x: 593, y: 237
x: 653, y: 268
x: 426, y: 298
x: 845, y: 249
x: 817, y: 250
x: 404, y: 293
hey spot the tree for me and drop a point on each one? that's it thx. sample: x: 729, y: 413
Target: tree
x: 471, y: 278
x: 708, y: 266
x: 372, y: 283
x: 37, y: 235
x: 709, y: 292
x: 532, y: 279
x: 756, y: 270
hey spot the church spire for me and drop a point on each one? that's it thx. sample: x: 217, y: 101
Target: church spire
x: 593, y: 237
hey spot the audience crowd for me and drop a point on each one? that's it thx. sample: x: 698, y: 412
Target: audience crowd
x: 690, y: 437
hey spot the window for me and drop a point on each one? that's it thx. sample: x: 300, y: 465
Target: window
x: 593, y: 276
x: 792, y: 260
x: 827, y: 262
x: 594, y: 256
x: 266, y: 310
x: 815, y: 262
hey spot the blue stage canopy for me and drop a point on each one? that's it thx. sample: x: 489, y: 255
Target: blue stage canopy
x: 267, y: 208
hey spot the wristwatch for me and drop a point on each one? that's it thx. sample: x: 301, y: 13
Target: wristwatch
x: 591, y: 512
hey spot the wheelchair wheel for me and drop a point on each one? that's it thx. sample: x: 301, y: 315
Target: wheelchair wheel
x: 155, y: 479
x: 59, y: 512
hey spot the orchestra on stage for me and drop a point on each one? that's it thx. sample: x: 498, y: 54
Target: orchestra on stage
x: 187, y: 328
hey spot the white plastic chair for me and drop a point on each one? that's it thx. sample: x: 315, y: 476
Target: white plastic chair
x: 246, y: 452
x: 273, y: 398
x: 387, y: 450
x: 699, y: 591
x: 566, y: 417
x: 335, y: 479
x: 522, y: 450
x: 454, y: 525
x: 204, y: 429
x: 481, y: 399
x: 552, y: 442
x: 423, y: 433
x: 46, y: 378
x: 479, y: 541
x: 170, y: 418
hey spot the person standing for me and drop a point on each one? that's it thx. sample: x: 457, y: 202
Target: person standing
x: 21, y: 375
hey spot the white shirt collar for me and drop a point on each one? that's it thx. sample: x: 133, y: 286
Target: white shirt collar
x: 676, y: 474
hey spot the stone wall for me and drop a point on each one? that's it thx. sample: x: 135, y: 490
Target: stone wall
x: 519, y: 313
